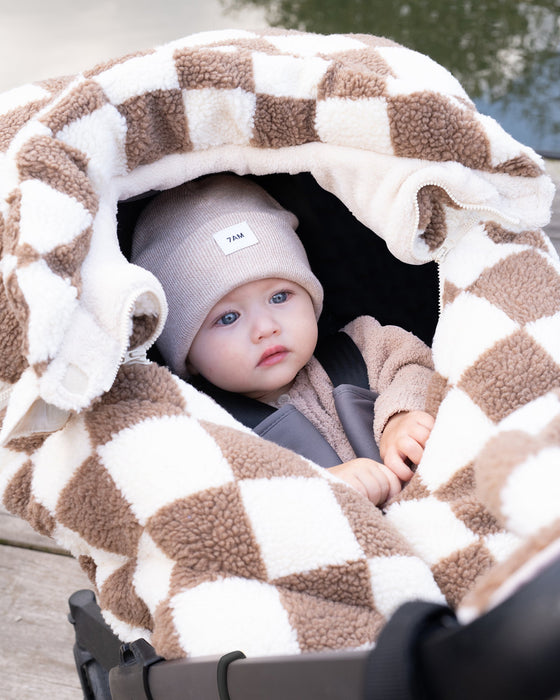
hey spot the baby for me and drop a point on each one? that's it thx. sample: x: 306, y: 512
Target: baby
x: 243, y: 311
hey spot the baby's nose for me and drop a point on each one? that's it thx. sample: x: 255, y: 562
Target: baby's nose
x: 265, y: 327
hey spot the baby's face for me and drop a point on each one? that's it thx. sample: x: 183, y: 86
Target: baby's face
x: 256, y: 339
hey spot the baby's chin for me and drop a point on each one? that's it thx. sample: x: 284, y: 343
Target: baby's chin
x: 270, y: 394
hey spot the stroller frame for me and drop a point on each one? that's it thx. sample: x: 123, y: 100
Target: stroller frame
x: 423, y: 652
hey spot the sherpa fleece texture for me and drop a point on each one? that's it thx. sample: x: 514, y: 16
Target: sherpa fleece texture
x: 197, y: 534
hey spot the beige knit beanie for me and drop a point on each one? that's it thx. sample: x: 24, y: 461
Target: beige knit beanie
x: 207, y: 237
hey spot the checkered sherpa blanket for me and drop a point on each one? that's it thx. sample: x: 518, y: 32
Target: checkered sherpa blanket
x: 197, y: 534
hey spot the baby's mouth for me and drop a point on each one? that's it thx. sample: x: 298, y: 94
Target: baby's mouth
x: 272, y: 356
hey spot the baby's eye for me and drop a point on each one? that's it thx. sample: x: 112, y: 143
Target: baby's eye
x: 228, y: 319
x: 279, y: 297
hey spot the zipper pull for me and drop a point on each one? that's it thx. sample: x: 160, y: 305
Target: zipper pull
x: 137, y: 356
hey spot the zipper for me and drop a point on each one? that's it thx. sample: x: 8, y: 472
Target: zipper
x: 444, y: 249
x: 461, y: 205
x: 438, y: 259
x: 136, y: 357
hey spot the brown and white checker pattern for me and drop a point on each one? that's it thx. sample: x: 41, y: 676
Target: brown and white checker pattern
x: 497, y: 353
x: 187, y: 524
x: 202, y: 536
x: 67, y: 143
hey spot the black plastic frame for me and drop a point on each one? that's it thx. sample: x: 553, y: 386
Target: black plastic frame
x: 510, y: 653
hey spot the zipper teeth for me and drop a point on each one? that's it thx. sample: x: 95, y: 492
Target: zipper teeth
x: 127, y: 355
x: 439, y: 258
x: 476, y: 207
x: 127, y: 315
x: 461, y: 205
x: 440, y: 288
x: 443, y: 250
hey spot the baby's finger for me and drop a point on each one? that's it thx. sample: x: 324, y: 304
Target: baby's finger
x: 376, y: 485
x: 420, y: 433
x: 397, y: 465
x: 410, y: 449
x: 424, y: 419
x: 395, y: 484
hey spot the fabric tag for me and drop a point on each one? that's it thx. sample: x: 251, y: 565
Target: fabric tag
x: 235, y: 237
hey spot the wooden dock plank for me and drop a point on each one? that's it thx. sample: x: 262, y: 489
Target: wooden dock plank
x: 36, y: 641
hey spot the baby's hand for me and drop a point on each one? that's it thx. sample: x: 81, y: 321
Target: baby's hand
x: 373, y: 480
x: 404, y: 438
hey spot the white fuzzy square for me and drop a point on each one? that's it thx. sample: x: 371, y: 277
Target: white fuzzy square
x: 298, y: 524
x: 49, y: 217
x: 416, y: 72
x: 472, y: 255
x: 288, y: 76
x: 51, y: 301
x: 67, y: 449
x: 531, y: 494
x: 503, y: 146
x: 502, y: 545
x: 107, y: 155
x: 233, y: 613
x: 21, y: 96
x: 217, y: 117
x: 460, y: 432
x: 356, y: 123
x: 153, y: 571
x: 211, y: 37
x: 467, y: 327
x: 399, y: 579
x: 160, y: 460
x: 546, y: 331
x: 312, y: 44
x: 80, y: 371
x: 534, y: 416
x: 431, y: 528
x: 140, y: 75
